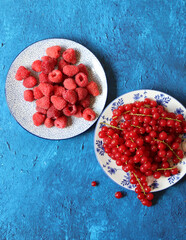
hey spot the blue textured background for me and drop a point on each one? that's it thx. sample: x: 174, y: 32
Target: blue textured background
x: 45, y: 186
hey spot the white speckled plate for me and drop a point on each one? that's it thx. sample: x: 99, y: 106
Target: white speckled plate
x: 109, y: 166
x: 23, y: 111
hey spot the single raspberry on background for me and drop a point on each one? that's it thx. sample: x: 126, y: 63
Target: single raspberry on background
x: 59, y: 90
x: 53, y: 113
x: 54, y: 51
x: 58, y: 102
x: 92, y: 88
x: 38, y: 119
x: 70, y: 70
x: 28, y: 95
x: 22, y: 73
x: 70, y: 56
x: 89, y: 114
x: 46, y: 88
x: 70, y: 110
x: 82, y: 93
x: 81, y: 79
x: 41, y: 110
x: 36, y: 66
x: 29, y: 82
x: 48, y: 64
x: 49, y: 122
x: 70, y: 96
x: 69, y: 83
x: 43, y: 102
x: 37, y: 93
x: 83, y: 69
x: 85, y: 102
x: 61, y: 122
x: 55, y: 76
x: 61, y: 64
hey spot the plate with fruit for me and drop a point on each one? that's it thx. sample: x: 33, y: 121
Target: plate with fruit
x: 56, y: 88
x: 140, y: 142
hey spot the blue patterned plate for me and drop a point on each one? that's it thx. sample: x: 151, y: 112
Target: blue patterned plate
x: 109, y: 166
x: 23, y: 111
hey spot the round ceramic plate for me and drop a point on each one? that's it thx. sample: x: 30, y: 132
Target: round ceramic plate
x: 23, y: 111
x: 109, y: 166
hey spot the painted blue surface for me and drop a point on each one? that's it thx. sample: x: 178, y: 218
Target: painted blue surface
x: 45, y: 186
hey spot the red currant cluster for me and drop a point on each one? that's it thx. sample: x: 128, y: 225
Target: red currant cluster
x: 145, y: 144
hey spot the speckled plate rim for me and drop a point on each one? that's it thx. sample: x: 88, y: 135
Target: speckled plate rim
x: 95, y: 137
x: 77, y: 44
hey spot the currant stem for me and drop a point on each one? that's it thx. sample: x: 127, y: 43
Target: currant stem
x: 143, y: 115
x: 111, y: 126
x: 163, y: 169
x: 139, y: 183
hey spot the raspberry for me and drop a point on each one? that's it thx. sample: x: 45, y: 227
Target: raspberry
x: 59, y: 90
x: 48, y: 64
x: 55, y: 76
x: 36, y: 66
x: 53, y: 113
x: 89, y: 114
x: 70, y: 56
x: 29, y: 82
x: 92, y: 88
x: 49, y: 122
x: 70, y: 96
x: 81, y: 79
x: 43, y: 102
x: 70, y: 84
x: 83, y: 69
x: 61, y: 122
x: 41, y: 110
x: 28, y: 95
x: 58, y: 102
x: 22, y: 73
x: 54, y: 51
x: 85, y: 102
x: 46, y: 88
x: 82, y: 93
x: 43, y: 78
x: 70, y: 70
x: 70, y: 110
x: 37, y: 93
x: 79, y: 113
x: 38, y: 118
x: 61, y: 64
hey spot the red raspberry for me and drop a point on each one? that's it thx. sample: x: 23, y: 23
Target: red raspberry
x: 47, y: 58
x: 70, y: 110
x: 70, y: 70
x: 70, y: 84
x: 28, y: 95
x: 43, y: 102
x: 61, y: 64
x: 79, y: 113
x: 70, y: 96
x: 53, y: 113
x: 41, y: 110
x: 48, y: 64
x: 59, y: 90
x: 85, y: 102
x: 49, y: 122
x: 36, y: 66
x: 70, y: 56
x: 55, y: 76
x: 58, y: 102
x: 82, y: 93
x: 81, y: 79
x: 38, y: 118
x: 89, y: 114
x: 54, y: 51
x: 37, y: 93
x: 92, y: 88
x: 22, y: 73
x: 43, y: 78
x: 29, y: 82
x: 83, y: 69
x: 46, y: 88
x: 61, y: 122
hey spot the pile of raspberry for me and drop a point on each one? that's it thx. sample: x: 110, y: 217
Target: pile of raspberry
x: 146, y: 144
x: 61, y: 90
